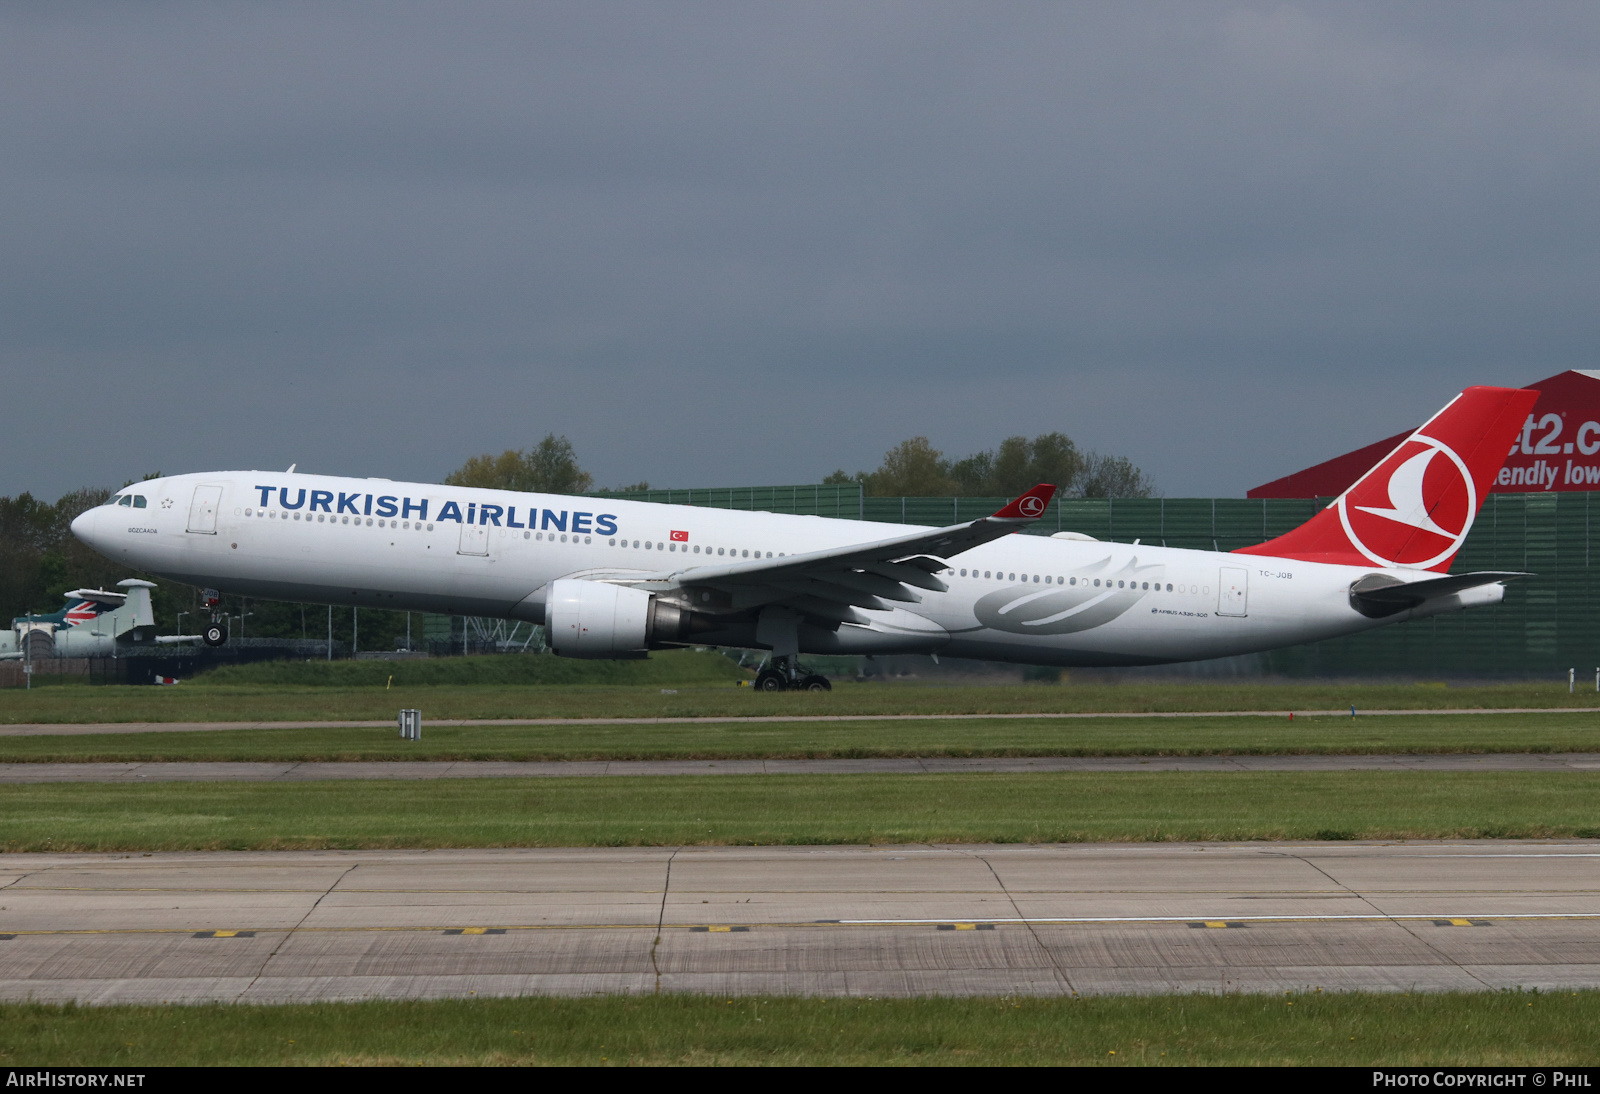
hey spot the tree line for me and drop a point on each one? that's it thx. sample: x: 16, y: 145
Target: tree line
x: 914, y: 468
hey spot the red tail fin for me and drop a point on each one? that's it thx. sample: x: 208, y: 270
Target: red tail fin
x: 1415, y: 508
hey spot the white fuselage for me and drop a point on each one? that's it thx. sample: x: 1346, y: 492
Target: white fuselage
x: 1023, y: 598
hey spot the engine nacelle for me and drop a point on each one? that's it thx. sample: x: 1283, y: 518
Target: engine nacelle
x: 598, y: 620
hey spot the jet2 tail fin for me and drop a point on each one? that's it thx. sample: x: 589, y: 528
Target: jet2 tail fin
x: 1414, y: 509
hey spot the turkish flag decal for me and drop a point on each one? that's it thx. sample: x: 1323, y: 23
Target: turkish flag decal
x: 680, y: 537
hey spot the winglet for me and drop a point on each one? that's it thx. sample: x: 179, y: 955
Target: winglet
x: 1029, y: 507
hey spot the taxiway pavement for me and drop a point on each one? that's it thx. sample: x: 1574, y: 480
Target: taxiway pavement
x: 879, y: 921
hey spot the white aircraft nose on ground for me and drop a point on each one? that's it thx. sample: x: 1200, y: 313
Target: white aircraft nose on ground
x: 614, y: 579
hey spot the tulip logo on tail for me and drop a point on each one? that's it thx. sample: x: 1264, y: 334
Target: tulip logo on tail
x: 1031, y: 506
x: 1415, y: 508
x: 1423, y: 487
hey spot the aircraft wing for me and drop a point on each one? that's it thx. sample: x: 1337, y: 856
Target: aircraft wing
x: 108, y: 600
x: 828, y: 585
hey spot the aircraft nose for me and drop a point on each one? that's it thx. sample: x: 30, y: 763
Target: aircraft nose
x: 83, y: 525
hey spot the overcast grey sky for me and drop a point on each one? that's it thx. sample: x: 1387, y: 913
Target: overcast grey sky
x: 724, y: 244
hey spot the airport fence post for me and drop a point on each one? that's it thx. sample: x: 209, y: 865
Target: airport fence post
x: 1572, y: 678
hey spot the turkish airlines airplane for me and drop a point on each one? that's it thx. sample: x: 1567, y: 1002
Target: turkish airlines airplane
x: 614, y: 579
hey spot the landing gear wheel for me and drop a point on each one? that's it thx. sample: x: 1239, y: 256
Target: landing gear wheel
x: 815, y: 683
x: 215, y: 634
x: 771, y: 680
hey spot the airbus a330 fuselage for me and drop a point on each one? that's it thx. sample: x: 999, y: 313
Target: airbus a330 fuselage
x: 614, y: 578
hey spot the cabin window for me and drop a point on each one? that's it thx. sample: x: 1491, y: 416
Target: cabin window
x: 647, y: 545
x: 563, y: 539
x: 613, y: 543
x: 1169, y: 588
x: 1097, y: 583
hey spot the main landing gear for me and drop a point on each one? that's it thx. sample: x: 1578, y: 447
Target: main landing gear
x: 215, y: 633
x: 786, y: 674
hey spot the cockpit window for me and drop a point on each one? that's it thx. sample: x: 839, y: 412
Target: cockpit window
x: 126, y: 499
x: 138, y: 501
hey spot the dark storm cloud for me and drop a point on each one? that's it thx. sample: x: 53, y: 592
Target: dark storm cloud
x: 740, y: 244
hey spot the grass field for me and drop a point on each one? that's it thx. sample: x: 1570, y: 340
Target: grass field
x: 1187, y: 736
x: 798, y: 809
x: 286, y: 702
x: 1504, y: 1029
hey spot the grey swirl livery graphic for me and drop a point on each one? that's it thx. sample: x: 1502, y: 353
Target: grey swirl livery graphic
x: 1099, y: 596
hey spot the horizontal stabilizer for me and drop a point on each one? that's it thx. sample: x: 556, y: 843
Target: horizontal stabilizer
x: 1378, y: 595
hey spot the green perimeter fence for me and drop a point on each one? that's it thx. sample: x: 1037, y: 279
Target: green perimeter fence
x: 1547, y: 624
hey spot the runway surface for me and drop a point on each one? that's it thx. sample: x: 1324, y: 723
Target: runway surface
x: 291, y: 771
x: 880, y: 921
x: 64, y: 729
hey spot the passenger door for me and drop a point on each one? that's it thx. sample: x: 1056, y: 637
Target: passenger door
x: 1233, y: 591
x: 474, y: 540
x: 203, y: 510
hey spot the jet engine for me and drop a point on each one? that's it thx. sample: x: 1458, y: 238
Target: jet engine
x: 598, y: 620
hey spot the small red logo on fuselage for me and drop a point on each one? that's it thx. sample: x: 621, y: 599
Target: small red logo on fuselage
x: 680, y: 537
